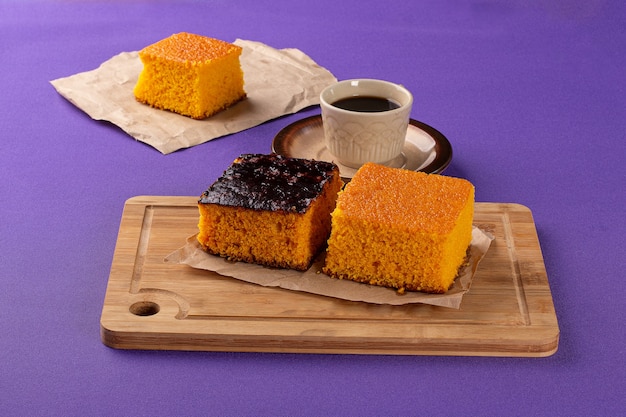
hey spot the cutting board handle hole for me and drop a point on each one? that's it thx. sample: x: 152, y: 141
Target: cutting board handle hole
x: 144, y: 308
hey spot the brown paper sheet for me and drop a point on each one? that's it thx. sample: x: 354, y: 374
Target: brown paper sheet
x: 277, y: 82
x: 316, y: 282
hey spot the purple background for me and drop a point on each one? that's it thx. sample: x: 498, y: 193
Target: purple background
x: 531, y: 96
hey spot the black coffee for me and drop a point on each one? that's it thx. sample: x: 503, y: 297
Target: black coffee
x: 366, y: 104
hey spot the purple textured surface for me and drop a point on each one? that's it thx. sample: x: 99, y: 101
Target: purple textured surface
x: 531, y: 96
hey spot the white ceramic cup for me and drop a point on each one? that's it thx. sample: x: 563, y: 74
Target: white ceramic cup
x: 356, y: 137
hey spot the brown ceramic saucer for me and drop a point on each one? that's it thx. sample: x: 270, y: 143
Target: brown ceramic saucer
x: 425, y: 149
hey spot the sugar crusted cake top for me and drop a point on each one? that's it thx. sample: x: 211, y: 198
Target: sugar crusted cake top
x: 270, y: 182
x: 188, y: 47
x: 409, y: 200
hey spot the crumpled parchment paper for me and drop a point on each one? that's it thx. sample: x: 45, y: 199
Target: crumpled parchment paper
x: 277, y: 82
x: 316, y: 282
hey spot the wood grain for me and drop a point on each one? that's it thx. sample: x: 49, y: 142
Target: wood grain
x: 150, y: 304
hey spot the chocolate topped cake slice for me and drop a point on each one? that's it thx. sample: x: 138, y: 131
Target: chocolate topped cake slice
x: 270, y: 210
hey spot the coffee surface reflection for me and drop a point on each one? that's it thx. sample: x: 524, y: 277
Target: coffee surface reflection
x: 367, y: 104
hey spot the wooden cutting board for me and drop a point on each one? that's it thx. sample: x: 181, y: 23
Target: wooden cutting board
x: 150, y: 304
